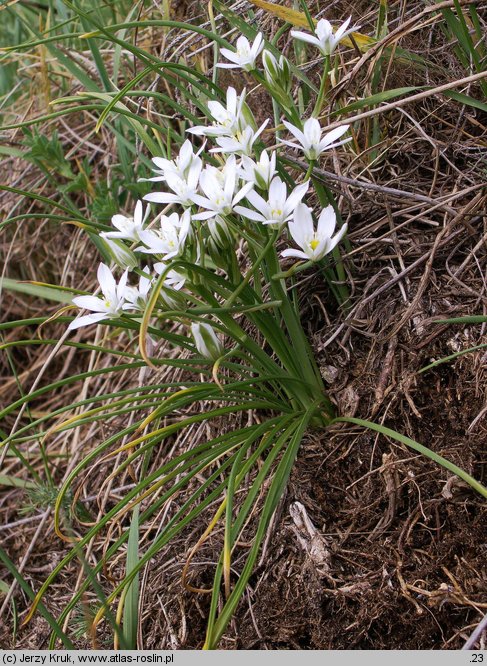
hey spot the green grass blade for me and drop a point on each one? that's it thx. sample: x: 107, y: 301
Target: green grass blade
x: 378, y: 98
x: 55, y: 626
x: 466, y: 99
x: 274, y: 495
x: 131, y: 598
x: 451, y: 357
x: 51, y: 293
x: 470, y: 319
x: 416, y: 446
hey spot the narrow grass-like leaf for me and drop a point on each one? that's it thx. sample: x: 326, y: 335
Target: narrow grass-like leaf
x: 466, y: 99
x: 468, y: 319
x: 274, y: 495
x: 451, y: 357
x: 425, y: 451
x: 48, y: 293
x: 55, y: 626
x: 131, y: 597
x: 378, y: 98
x: 14, y: 481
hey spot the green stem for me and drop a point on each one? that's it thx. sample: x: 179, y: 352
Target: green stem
x: 342, y: 278
x: 310, y: 170
x: 323, y: 88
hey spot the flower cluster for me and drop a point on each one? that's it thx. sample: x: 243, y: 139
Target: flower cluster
x: 240, y: 185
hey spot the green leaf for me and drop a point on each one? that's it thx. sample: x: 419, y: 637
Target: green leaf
x: 465, y: 99
x: 9, y: 565
x: 11, y: 152
x: 7, y: 480
x: 378, y: 98
x: 451, y: 357
x: 48, y: 293
x: 470, y: 319
x: 412, y: 444
x: 131, y: 600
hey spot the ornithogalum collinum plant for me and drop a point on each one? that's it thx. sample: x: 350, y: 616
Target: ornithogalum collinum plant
x: 212, y: 250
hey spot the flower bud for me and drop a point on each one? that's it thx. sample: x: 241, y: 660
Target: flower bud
x: 120, y: 253
x: 277, y: 73
x: 219, y: 232
x: 206, y: 341
x: 172, y: 299
x: 248, y: 117
x: 270, y: 66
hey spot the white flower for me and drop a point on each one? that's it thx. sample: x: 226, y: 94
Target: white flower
x: 170, y: 238
x: 183, y: 189
x: 279, y: 208
x: 180, y: 166
x: 136, y: 297
x: 227, y: 120
x: 314, y: 244
x: 220, y: 192
x: 260, y: 173
x: 111, y: 305
x: 310, y: 141
x: 206, y: 341
x: 245, y: 54
x: 240, y: 143
x: 325, y: 39
x: 128, y: 227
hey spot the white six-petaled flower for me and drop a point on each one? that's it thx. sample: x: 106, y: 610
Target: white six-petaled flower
x: 310, y: 139
x: 241, y: 143
x: 261, y: 172
x: 221, y: 197
x: 169, y: 239
x: 106, y: 307
x: 325, y: 39
x: 136, y: 297
x: 128, y: 227
x: 180, y: 166
x: 245, y: 54
x: 279, y: 208
x: 314, y: 244
x: 228, y: 120
x: 183, y: 189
